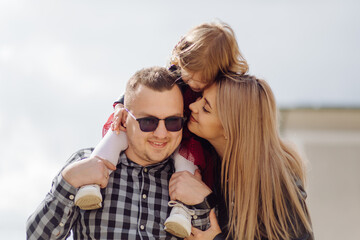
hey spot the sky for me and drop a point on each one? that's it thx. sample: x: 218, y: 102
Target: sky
x: 63, y: 63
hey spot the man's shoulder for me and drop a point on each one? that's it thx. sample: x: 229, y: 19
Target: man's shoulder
x: 81, y: 154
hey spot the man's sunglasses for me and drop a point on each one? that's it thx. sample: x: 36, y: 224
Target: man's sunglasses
x: 149, y: 124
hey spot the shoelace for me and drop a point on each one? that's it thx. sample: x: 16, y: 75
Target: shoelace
x: 180, y: 205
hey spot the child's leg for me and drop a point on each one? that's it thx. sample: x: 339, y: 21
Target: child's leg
x: 183, y: 164
x: 179, y: 221
x: 109, y: 148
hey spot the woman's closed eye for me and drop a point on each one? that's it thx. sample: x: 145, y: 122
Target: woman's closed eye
x: 205, y: 110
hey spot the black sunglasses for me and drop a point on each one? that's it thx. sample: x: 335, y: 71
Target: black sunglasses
x: 149, y: 124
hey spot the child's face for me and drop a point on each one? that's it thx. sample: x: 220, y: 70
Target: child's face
x: 193, y: 79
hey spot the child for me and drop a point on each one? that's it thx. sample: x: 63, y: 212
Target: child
x: 199, y: 57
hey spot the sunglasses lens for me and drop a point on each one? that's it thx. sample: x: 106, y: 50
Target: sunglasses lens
x: 148, y: 124
x: 174, y: 124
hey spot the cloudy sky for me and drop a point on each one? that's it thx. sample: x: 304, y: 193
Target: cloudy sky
x: 63, y: 63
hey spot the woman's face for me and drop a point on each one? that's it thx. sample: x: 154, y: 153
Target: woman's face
x: 204, y: 120
x: 194, y: 80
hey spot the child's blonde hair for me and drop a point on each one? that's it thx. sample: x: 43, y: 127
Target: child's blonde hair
x: 209, y: 48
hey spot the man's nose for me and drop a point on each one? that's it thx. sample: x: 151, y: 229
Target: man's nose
x: 161, y: 131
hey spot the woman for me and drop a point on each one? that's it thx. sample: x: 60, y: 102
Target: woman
x: 262, y: 178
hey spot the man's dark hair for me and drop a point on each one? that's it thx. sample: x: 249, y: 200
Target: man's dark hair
x: 156, y: 78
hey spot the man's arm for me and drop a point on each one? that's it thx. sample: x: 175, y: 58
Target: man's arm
x: 56, y: 215
x: 201, y: 219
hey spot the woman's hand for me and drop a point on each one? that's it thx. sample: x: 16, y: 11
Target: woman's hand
x: 208, y: 234
x: 188, y: 188
x: 119, y: 118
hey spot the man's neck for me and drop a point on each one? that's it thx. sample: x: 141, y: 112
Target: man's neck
x: 142, y: 161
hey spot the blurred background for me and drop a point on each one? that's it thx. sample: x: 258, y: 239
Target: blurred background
x: 63, y: 63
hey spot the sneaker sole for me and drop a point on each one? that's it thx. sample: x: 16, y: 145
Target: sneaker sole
x: 89, y: 202
x: 178, y: 226
x: 88, y: 197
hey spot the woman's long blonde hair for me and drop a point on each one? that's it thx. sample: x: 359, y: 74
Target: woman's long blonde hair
x: 259, y: 171
x: 210, y: 48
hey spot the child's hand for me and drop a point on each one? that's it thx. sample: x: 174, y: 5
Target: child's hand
x: 119, y: 118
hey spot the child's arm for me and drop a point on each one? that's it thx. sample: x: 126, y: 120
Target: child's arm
x: 115, y: 119
x: 119, y: 118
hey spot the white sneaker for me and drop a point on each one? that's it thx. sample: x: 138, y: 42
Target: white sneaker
x: 179, y: 221
x: 88, y: 197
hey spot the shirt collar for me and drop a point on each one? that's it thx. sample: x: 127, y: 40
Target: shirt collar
x: 124, y: 160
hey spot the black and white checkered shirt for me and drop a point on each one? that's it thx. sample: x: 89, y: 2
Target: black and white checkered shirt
x: 135, y: 206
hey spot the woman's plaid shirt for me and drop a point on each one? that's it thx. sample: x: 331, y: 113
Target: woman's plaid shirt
x: 135, y: 206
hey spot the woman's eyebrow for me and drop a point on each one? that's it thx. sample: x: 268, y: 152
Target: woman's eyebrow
x: 207, y: 102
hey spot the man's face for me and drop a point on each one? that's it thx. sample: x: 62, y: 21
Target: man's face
x: 147, y: 148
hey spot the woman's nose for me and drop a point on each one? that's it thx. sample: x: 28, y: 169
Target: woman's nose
x: 193, y: 107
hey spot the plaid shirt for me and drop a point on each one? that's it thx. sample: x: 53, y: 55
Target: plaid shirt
x: 135, y: 206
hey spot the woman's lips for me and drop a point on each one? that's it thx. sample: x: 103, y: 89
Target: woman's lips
x: 192, y: 119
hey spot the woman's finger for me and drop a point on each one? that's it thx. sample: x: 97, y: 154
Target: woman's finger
x: 195, y: 231
x: 197, y: 174
x: 213, y: 219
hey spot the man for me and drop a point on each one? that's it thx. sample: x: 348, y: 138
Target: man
x: 136, y: 196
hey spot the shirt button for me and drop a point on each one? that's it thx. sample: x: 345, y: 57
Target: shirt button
x: 145, y: 170
x: 71, y: 197
x: 144, y: 196
x: 61, y: 224
x: 195, y: 217
x: 142, y: 227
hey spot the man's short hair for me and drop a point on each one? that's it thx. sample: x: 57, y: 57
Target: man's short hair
x: 156, y: 78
